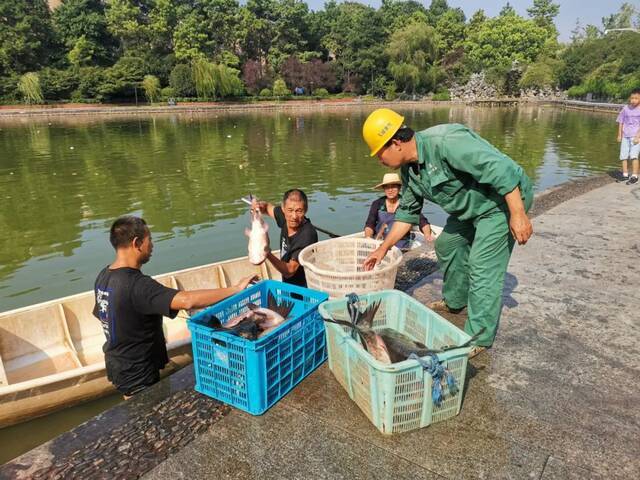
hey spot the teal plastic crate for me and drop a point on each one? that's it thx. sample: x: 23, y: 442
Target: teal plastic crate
x: 396, y: 398
x: 254, y: 375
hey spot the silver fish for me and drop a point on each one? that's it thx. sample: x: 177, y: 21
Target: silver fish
x: 400, y: 346
x: 258, y: 237
x: 385, y: 344
x: 258, y: 321
x: 361, y: 324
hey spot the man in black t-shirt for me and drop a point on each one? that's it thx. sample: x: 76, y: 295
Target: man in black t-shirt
x: 296, y: 232
x: 130, y: 305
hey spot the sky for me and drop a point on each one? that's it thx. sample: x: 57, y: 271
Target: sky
x: 588, y: 11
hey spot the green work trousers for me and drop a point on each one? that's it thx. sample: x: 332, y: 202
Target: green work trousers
x: 473, y: 257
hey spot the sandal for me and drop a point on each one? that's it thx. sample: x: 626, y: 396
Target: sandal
x: 440, y: 306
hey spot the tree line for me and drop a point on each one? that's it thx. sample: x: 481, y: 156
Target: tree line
x: 115, y: 50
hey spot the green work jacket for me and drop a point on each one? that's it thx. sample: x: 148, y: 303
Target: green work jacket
x: 460, y: 171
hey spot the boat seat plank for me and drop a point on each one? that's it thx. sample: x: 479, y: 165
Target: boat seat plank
x: 202, y: 278
x: 235, y: 271
x: 167, y: 280
x: 85, y: 330
x: 34, y: 343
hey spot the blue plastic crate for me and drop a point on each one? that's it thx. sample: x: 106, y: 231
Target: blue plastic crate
x: 253, y: 375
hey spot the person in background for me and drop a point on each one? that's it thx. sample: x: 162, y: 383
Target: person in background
x: 130, y: 305
x: 383, y: 211
x: 629, y: 137
x: 296, y: 233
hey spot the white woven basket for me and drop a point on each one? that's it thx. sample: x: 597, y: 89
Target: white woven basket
x: 335, y: 266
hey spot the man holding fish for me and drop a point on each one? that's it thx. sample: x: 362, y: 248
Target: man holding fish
x: 486, y: 195
x: 296, y: 233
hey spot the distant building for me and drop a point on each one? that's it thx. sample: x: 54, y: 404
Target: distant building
x: 53, y: 4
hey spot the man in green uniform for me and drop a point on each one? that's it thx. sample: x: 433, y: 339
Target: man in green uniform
x: 486, y: 195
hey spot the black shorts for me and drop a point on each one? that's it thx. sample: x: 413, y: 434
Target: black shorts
x: 129, y: 377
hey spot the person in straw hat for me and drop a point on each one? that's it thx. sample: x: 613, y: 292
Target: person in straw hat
x: 487, y: 196
x: 383, y: 211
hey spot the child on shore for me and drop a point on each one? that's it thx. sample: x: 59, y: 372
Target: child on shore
x: 629, y: 136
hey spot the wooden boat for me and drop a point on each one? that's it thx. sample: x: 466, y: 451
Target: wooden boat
x: 51, y: 353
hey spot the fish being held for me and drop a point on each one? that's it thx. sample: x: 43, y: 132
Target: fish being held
x: 258, y: 321
x: 258, y: 236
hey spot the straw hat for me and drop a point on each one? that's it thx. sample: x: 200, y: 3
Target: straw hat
x: 389, y: 179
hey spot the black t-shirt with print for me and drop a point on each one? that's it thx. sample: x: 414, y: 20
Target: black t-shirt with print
x: 130, y: 305
x: 290, y: 247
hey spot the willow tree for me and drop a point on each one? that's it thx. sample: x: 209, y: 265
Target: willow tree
x: 215, y: 80
x: 151, y: 86
x: 29, y: 87
x: 204, y: 78
x: 412, y: 52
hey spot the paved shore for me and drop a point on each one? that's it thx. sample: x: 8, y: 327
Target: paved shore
x: 13, y: 112
x: 18, y: 111
x: 556, y: 398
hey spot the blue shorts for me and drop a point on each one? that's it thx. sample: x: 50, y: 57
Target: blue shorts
x: 628, y: 149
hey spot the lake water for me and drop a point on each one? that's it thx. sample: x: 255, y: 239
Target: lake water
x: 64, y: 181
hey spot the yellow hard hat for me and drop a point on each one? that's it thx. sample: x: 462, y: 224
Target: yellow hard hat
x: 379, y: 127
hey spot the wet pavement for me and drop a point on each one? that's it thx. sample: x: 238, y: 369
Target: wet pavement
x: 556, y: 398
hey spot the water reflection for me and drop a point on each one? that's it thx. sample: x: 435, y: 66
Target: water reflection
x: 63, y: 182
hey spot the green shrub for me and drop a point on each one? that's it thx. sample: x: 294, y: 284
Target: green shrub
x: 345, y: 95
x: 603, y: 81
x: 58, y: 84
x: 497, y: 76
x: 390, y: 92
x: 441, y: 96
x: 9, y: 88
x: 577, y: 91
x: 629, y: 83
x: 321, y: 92
x: 265, y: 92
x: 231, y: 84
x: 167, y: 92
x: 122, y: 80
x: 151, y: 86
x: 181, y: 80
x: 90, y: 80
x: 29, y: 88
x: 538, y: 75
x: 378, y: 86
x: 280, y: 88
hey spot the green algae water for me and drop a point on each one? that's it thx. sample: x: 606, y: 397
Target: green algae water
x: 63, y: 181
